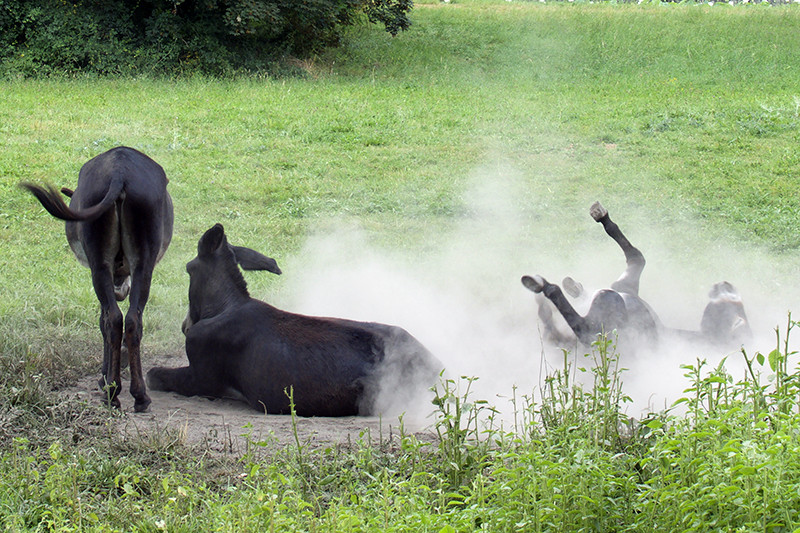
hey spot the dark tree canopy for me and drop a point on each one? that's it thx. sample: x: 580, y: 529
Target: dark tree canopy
x: 167, y: 36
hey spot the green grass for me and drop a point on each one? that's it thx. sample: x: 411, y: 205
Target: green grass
x: 686, y: 114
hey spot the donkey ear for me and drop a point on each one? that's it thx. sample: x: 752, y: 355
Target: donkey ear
x: 211, y: 241
x: 251, y: 260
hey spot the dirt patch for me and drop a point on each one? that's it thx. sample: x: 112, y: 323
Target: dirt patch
x: 230, y: 426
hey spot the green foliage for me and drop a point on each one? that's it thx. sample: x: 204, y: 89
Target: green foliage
x: 594, y: 412
x: 44, y: 37
x: 721, y: 468
x: 458, y: 420
x: 393, y: 14
x: 726, y: 466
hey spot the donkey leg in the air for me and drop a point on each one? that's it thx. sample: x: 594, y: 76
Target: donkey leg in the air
x: 628, y: 282
x: 606, y: 313
x: 552, y: 331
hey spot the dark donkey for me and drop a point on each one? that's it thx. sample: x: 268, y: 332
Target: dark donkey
x: 119, y: 224
x: 244, y: 348
x: 620, y: 308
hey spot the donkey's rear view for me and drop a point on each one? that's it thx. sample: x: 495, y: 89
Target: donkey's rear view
x: 119, y: 224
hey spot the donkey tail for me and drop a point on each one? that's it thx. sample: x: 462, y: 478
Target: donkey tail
x: 52, y: 201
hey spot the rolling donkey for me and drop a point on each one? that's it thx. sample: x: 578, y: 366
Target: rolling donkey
x: 620, y: 308
x: 119, y: 224
x: 244, y: 348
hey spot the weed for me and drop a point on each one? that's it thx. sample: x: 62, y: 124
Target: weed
x: 462, y: 444
x: 597, y: 411
x: 778, y: 397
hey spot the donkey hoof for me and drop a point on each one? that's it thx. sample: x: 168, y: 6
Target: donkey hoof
x: 112, y: 403
x: 142, y: 406
x: 534, y: 283
x: 572, y: 287
x: 598, y: 211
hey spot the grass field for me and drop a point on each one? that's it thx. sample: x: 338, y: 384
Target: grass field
x: 413, y: 180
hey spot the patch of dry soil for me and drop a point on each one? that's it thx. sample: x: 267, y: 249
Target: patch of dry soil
x: 226, y: 426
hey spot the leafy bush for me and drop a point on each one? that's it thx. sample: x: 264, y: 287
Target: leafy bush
x: 43, y: 37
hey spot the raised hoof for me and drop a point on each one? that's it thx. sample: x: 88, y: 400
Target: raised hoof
x: 534, y: 283
x: 572, y: 287
x: 598, y: 211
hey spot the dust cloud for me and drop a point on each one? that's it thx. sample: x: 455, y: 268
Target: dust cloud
x: 465, y: 303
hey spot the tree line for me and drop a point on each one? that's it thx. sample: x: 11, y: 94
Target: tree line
x: 107, y: 37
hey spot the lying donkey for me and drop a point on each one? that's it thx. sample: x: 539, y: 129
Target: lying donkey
x: 244, y: 348
x: 620, y: 308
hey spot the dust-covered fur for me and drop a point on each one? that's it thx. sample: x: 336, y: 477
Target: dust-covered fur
x: 620, y: 308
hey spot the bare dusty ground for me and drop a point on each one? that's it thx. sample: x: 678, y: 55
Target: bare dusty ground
x: 230, y: 426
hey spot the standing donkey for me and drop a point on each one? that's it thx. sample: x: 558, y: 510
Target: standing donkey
x: 119, y: 224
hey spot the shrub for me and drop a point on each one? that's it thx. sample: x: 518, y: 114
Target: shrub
x: 42, y: 37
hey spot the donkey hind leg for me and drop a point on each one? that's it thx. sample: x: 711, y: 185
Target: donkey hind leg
x: 111, y: 328
x: 142, y: 238
x: 628, y: 282
x: 142, y: 261
x: 140, y: 290
x: 100, y: 243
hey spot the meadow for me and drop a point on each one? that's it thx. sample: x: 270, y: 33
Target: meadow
x: 413, y: 180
